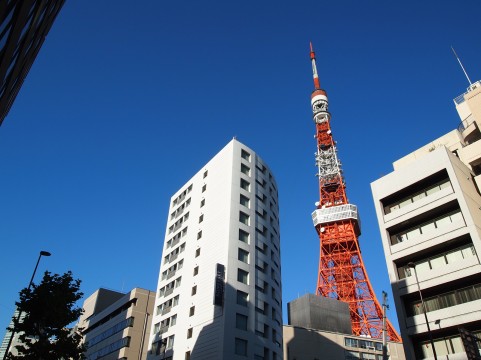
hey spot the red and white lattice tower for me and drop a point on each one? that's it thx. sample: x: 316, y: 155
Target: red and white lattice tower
x: 342, y: 274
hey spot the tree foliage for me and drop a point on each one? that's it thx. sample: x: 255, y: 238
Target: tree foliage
x: 47, y: 311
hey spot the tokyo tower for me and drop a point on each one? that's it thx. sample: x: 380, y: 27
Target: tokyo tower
x: 341, y: 274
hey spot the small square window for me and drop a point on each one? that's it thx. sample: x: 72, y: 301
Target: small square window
x: 241, y: 322
x: 194, y: 290
x: 245, y: 169
x: 243, y: 236
x: 243, y: 256
x: 245, y: 155
x: 240, y: 347
x: 243, y: 276
x: 189, y: 333
x: 244, y: 184
x: 205, y: 173
x: 244, y: 200
x: 204, y: 188
x: 242, y: 298
x: 202, y: 203
x: 197, y: 252
x: 196, y: 270
x: 170, y: 342
x: 243, y: 218
x: 192, y: 311
x: 201, y: 218
x: 199, y: 235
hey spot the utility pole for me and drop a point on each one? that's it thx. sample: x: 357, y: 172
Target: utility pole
x: 384, y: 342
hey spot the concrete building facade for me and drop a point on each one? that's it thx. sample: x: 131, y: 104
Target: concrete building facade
x: 116, y: 325
x: 429, y: 214
x: 320, y: 328
x: 24, y: 25
x: 219, y: 289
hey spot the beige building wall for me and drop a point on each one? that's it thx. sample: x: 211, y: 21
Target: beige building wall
x: 120, y: 330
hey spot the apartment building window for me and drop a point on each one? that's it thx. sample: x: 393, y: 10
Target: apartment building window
x: 464, y: 252
x: 244, y: 184
x: 243, y: 256
x: 261, y: 182
x: 197, y: 252
x: 187, y: 355
x: 452, y: 344
x: 240, y: 347
x: 156, y: 328
x: 204, y: 188
x: 244, y: 200
x: 245, y: 169
x: 242, y: 298
x: 189, y: 333
x: 448, y: 299
x: 205, y: 173
x: 430, y: 190
x: 428, y: 227
x: 243, y: 218
x: 241, y: 322
x: 192, y: 311
x: 201, y: 218
x: 170, y: 342
x: 196, y: 270
x: 243, y: 276
x: 202, y: 203
x: 173, y: 320
x: 199, y: 235
x: 194, y: 290
x: 243, y: 236
x: 245, y: 155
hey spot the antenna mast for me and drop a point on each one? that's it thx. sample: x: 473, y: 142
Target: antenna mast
x: 462, y: 67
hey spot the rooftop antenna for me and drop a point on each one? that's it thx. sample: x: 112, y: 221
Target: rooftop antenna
x: 462, y: 67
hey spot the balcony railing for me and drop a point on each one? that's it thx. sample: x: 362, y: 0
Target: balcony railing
x: 166, y: 310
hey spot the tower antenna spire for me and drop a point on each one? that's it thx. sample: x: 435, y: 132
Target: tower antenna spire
x: 460, y: 63
x: 317, y: 85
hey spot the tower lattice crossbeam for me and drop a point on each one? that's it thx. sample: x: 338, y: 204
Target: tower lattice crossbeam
x: 341, y: 274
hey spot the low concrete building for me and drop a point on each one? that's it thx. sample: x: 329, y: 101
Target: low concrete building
x: 320, y: 328
x: 312, y: 344
x: 116, y: 325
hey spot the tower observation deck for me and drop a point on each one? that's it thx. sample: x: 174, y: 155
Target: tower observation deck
x: 341, y: 273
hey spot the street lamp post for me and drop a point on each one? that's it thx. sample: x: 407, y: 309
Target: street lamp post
x: 413, y: 266
x: 19, y: 315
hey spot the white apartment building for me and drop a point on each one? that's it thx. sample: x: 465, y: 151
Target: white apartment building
x: 219, y: 289
x: 429, y: 214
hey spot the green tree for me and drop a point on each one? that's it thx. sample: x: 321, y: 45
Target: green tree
x: 47, y: 311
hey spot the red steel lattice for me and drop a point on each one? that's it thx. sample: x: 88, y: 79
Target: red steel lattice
x: 341, y: 274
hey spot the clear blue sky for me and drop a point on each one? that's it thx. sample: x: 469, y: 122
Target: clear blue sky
x: 125, y: 102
